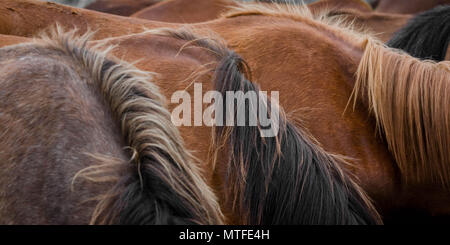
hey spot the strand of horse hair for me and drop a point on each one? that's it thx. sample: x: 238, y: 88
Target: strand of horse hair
x: 161, y: 184
x: 410, y: 100
x: 425, y: 36
x: 287, y: 179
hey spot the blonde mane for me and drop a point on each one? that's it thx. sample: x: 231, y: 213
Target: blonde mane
x: 410, y: 100
x: 155, y: 147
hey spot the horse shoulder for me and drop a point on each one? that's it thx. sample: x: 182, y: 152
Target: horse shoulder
x: 185, y: 11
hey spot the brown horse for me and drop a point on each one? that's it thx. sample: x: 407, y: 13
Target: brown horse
x: 193, y: 11
x: 359, y: 12
x: 29, y: 17
x: 426, y: 36
x: 379, y: 174
x: 120, y: 7
x: 406, y: 6
x: 185, y: 11
x: 87, y: 139
x: 298, y: 49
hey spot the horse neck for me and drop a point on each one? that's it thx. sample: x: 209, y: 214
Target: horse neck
x: 28, y: 17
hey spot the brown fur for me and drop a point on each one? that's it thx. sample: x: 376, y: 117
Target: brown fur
x: 320, y: 102
x: 341, y: 4
x: 28, y: 18
x: 381, y: 25
x: 193, y: 11
x: 157, y: 153
x: 185, y: 11
x: 407, y: 6
x: 120, y: 7
x: 317, y: 95
x: 243, y: 181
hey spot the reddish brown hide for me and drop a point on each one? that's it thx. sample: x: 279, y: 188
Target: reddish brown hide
x: 36, y: 16
x: 381, y: 25
x: 185, y: 11
x: 193, y: 11
x: 173, y: 70
x: 406, y: 6
x: 120, y: 7
x: 29, y: 17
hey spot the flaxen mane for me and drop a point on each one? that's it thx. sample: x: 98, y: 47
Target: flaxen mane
x: 426, y: 36
x: 286, y: 179
x: 410, y: 100
x: 161, y: 183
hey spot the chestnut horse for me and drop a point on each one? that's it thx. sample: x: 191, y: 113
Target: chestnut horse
x: 357, y: 11
x: 185, y: 11
x: 120, y: 7
x: 308, y: 44
x: 193, y: 11
x: 426, y: 36
x: 28, y: 17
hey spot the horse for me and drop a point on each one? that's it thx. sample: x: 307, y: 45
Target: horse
x: 28, y: 17
x: 185, y: 11
x: 73, y: 3
x: 405, y: 6
x: 193, y: 11
x: 329, y: 195
x: 426, y: 36
x: 88, y: 139
x: 120, y: 7
x: 297, y: 71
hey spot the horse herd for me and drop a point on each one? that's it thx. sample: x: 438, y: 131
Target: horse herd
x: 363, y: 119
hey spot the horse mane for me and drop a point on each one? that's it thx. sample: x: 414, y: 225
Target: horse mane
x: 410, y: 100
x: 286, y: 179
x: 425, y: 36
x: 161, y: 183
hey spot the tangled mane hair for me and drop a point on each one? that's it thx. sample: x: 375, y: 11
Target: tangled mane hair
x: 410, y: 100
x: 323, y: 18
x: 161, y: 183
x: 285, y: 179
x: 425, y: 36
